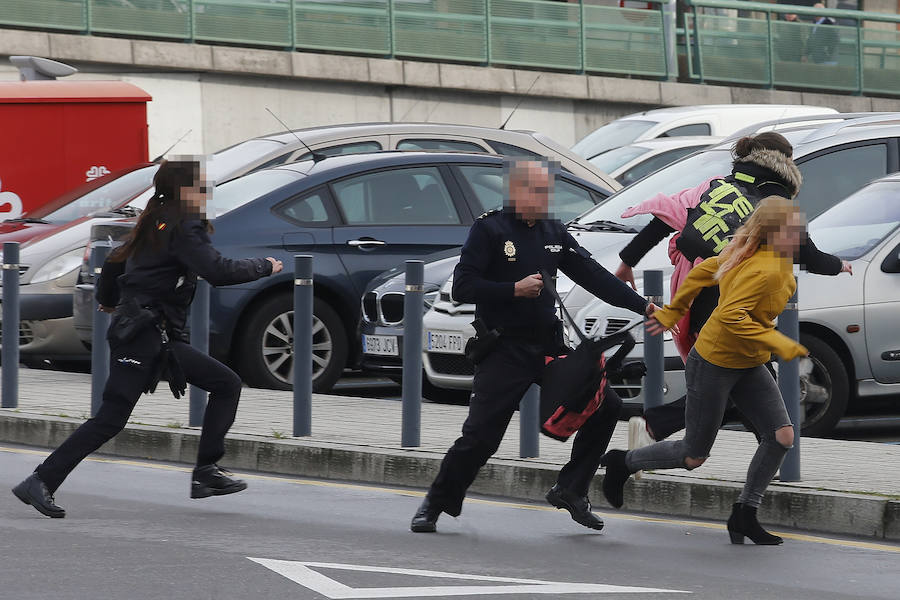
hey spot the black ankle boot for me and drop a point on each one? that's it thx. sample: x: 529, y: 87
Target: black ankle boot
x: 743, y: 522
x: 616, y: 476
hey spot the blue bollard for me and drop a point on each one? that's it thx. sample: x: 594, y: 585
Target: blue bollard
x: 413, y: 311
x: 529, y: 423
x: 789, y: 385
x: 654, y: 354
x: 303, y: 324
x: 99, y: 326
x: 200, y: 341
x: 9, y: 355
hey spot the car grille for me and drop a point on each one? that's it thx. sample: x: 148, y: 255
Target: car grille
x: 614, y: 325
x: 392, y: 307
x: 370, y: 307
x: 451, y: 364
x: 626, y: 388
x: 26, y: 335
x: 22, y: 270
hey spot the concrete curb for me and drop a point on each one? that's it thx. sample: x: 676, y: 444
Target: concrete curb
x: 823, y: 511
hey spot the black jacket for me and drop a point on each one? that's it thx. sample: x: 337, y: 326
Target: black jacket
x: 502, y: 249
x: 164, y: 280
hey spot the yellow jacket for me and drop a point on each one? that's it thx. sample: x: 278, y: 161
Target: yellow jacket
x: 741, y: 332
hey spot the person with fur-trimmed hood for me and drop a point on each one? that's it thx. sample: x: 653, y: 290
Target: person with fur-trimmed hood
x: 763, y: 166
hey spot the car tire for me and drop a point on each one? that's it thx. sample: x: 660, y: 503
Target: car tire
x: 271, y: 326
x: 825, y: 390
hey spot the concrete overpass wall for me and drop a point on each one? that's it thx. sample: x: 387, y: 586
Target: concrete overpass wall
x: 220, y: 93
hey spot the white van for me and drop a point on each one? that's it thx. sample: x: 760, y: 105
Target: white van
x: 708, y: 119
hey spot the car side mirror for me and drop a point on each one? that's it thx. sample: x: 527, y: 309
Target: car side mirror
x: 891, y: 262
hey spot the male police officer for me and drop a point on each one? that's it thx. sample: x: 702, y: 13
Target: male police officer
x: 499, y: 272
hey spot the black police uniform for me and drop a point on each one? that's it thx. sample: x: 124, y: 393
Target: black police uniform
x: 502, y: 249
x: 164, y: 281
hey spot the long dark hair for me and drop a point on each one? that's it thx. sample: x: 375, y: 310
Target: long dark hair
x: 768, y: 140
x: 164, y: 210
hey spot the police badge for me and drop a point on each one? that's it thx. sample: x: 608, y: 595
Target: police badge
x: 509, y: 249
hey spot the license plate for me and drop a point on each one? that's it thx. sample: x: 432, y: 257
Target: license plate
x: 382, y: 345
x: 446, y: 341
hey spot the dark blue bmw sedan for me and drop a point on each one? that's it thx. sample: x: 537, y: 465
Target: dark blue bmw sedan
x: 358, y: 215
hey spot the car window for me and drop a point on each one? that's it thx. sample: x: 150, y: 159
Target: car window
x: 104, y: 198
x: 342, y: 149
x: 308, y: 209
x: 240, y: 191
x: 568, y: 200
x: 396, y: 197
x: 692, y: 129
x: 687, y: 173
x: 611, y: 160
x: 829, y: 178
x: 654, y: 163
x: 511, y: 150
x: 439, y: 145
x: 855, y: 226
x: 612, y: 135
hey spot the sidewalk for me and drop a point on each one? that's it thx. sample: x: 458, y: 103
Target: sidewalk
x: 847, y: 487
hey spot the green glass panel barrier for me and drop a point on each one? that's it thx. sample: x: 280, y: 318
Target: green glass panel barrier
x: 250, y: 23
x: 732, y: 49
x: 536, y: 33
x: 443, y: 29
x: 141, y: 17
x: 881, y: 60
x: 358, y: 26
x: 624, y: 41
x: 823, y: 56
x: 59, y: 14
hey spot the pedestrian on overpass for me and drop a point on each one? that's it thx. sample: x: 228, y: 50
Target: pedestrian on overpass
x: 148, y: 283
x: 763, y: 166
x: 756, y: 278
x: 499, y: 271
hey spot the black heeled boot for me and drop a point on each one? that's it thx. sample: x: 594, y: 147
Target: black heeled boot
x: 743, y: 522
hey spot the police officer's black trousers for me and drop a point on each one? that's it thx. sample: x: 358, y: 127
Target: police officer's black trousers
x: 131, y: 367
x: 501, y: 379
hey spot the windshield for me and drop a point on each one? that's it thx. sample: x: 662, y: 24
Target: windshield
x: 612, y: 135
x: 687, y: 173
x: 240, y: 191
x: 104, y: 198
x: 236, y: 160
x: 853, y: 227
x: 613, y: 159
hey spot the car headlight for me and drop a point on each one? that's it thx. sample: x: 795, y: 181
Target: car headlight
x: 59, y: 266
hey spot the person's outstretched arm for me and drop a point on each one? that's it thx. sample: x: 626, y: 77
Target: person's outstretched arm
x: 194, y: 249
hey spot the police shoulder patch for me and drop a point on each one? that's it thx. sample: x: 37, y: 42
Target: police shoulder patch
x: 496, y: 211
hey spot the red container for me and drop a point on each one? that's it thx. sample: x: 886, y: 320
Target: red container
x: 56, y: 135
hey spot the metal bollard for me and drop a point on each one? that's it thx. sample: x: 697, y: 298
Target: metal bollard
x: 99, y: 326
x: 200, y: 341
x: 529, y: 423
x: 303, y: 324
x: 654, y: 355
x: 10, y: 350
x: 789, y: 385
x: 413, y: 311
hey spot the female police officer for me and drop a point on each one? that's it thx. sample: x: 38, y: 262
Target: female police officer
x: 498, y: 271
x: 150, y: 280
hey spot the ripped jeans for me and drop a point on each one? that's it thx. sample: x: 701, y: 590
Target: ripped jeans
x: 709, y: 386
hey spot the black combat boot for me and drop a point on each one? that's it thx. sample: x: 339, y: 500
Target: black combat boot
x: 425, y: 519
x: 210, y: 480
x: 578, y: 506
x: 33, y: 491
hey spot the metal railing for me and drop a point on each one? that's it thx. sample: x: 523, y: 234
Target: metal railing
x: 748, y: 44
x: 525, y: 33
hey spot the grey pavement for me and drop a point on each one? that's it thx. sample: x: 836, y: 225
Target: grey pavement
x: 132, y: 532
x: 847, y: 486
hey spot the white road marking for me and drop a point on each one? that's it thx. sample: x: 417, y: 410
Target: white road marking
x: 302, y: 572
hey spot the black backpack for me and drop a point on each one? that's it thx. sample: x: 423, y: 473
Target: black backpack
x: 722, y: 209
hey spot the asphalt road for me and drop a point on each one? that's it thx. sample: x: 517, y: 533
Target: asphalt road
x: 132, y: 532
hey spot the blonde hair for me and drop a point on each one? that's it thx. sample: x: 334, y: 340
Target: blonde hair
x: 773, y: 214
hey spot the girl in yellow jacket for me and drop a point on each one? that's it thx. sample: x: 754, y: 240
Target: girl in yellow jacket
x: 755, y: 276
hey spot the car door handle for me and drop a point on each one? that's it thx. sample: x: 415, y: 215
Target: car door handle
x: 365, y: 243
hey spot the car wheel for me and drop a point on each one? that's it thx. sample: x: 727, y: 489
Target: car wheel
x: 824, y: 387
x: 268, y: 345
